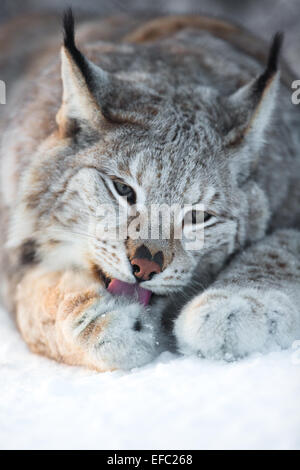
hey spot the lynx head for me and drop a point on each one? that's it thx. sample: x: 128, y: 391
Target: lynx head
x: 145, y: 138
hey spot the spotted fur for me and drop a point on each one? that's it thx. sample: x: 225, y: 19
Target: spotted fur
x: 185, y: 117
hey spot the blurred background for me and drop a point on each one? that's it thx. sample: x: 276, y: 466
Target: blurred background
x: 263, y: 17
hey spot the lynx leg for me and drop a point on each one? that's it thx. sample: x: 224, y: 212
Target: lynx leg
x: 253, y: 306
x: 70, y: 318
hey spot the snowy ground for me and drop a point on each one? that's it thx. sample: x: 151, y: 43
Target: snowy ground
x: 183, y: 403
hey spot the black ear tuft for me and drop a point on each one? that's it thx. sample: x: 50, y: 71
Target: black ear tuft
x: 272, y: 65
x: 274, y: 53
x: 68, y: 25
x: 69, y: 43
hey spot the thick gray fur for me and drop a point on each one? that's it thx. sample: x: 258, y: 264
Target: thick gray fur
x: 186, y: 119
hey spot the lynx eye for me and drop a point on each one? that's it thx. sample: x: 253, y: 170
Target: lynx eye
x: 125, y: 191
x: 196, y: 217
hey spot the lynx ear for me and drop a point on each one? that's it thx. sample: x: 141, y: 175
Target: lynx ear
x: 251, y: 107
x: 79, y: 77
x: 92, y: 96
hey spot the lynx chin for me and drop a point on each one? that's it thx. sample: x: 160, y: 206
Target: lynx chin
x: 185, y: 110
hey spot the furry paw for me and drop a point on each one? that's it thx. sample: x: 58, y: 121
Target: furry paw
x: 115, y: 333
x: 229, y: 324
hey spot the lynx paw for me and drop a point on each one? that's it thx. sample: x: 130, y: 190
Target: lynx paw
x: 114, y: 334
x: 229, y: 324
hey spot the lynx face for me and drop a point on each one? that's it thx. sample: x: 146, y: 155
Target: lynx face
x: 121, y: 142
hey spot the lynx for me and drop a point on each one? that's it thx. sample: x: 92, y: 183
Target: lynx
x: 176, y: 110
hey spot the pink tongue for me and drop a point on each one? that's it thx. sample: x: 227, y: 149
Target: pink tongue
x: 117, y: 287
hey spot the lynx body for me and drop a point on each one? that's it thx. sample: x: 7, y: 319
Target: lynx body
x: 174, y: 111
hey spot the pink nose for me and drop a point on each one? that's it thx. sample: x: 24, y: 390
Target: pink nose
x: 144, y: 269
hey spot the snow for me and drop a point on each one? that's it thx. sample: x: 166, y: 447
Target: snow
x: 173, y: 403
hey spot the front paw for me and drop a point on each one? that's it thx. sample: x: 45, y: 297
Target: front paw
x: 115, y: 334
x: 230, y: 324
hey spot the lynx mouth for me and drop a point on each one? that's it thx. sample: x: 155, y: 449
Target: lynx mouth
x: 103, y: 277
x: 117, y: 287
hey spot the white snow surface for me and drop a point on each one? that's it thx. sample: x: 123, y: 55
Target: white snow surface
x: 174, y: 403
